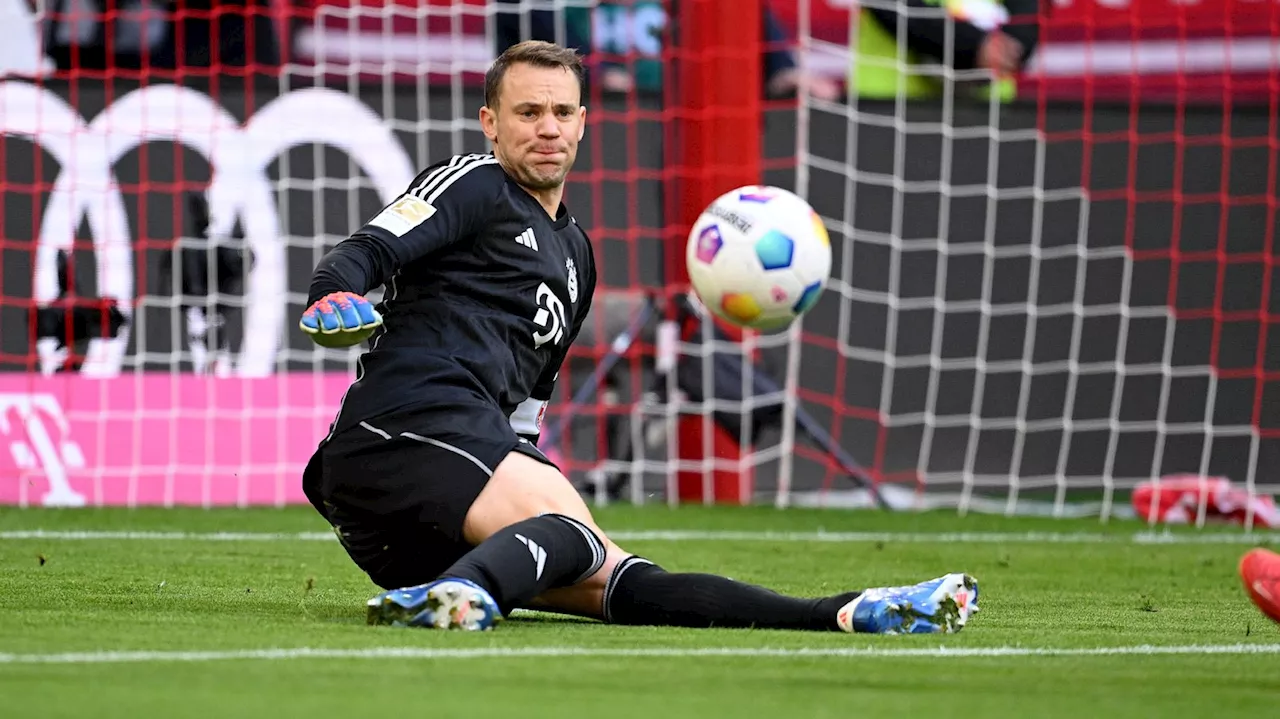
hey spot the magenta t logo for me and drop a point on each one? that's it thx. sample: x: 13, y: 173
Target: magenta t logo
x: 38, y: 437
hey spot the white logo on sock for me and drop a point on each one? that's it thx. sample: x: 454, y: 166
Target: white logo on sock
x: 539, y: 554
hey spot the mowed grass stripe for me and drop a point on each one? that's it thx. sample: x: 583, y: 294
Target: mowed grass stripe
x: 1154, y: 537
x: 121, y: 657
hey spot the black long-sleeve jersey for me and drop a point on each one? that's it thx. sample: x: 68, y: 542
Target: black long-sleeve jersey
x: 485, y: 292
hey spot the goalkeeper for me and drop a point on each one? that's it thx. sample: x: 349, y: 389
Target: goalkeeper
x: 431, y: 475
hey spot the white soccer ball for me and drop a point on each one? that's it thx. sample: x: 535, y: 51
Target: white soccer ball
x: 759, y: 257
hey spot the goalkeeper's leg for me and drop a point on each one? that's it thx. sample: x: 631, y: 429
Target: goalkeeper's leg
x: 638, y: 592
x: 535, y: 544
x: 529, y: 532
x: 535, y: 536
x: 456, y: 526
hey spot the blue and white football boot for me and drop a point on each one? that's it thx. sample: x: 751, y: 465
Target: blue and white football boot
x: 941, y: 605
x: 442, y: 604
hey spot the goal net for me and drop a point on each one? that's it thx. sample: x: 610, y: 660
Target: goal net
x: 1036, y: 305
x: 1042, y: 304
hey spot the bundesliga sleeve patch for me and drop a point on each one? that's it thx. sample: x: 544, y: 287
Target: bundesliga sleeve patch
x: 403, y: 215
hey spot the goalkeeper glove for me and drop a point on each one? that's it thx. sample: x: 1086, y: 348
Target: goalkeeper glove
x: 340, y: 319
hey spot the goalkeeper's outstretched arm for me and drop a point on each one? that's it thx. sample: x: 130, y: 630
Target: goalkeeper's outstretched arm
x: 444, y: 205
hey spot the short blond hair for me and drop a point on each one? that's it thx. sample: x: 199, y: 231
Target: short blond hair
x: 530, y: 52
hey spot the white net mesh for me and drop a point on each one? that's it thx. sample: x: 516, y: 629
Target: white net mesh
x: 1024, y: 315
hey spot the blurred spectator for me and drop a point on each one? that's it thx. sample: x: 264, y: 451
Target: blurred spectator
x: 583, y: 29
x: 783, y: 76
x: 987, y: 34
x: 97, y: 34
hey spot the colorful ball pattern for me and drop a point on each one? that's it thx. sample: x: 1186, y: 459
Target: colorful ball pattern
x: 759, y: 257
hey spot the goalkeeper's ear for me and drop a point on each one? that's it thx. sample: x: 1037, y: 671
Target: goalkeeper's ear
x: 489, y: 123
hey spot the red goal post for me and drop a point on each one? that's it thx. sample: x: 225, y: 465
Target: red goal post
x: 717, y: 120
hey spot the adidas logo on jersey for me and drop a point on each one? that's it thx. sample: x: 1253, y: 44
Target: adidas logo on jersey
x: 527, y: 239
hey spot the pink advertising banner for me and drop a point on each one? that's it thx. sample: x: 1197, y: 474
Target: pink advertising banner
x: 161, y: 439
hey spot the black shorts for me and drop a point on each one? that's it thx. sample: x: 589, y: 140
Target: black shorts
x: 397, y: 489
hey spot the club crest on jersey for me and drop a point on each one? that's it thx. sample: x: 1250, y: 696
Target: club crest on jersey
x: 573, y: 280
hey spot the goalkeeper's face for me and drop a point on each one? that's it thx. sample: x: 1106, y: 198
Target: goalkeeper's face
x: 537, y: 124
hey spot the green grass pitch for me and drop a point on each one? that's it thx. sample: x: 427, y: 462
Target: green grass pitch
x: 258, y: 613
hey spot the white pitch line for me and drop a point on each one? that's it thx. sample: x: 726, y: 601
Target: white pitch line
x: 1153, y: 537
x: 76, y: 535
x: 956, y: 537
x: 124, y: 657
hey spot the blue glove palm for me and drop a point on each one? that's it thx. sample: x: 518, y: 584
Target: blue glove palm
x: 340, y: 319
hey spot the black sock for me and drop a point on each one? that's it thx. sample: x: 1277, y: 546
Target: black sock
x: 642, y: 593
x: 527, y: 558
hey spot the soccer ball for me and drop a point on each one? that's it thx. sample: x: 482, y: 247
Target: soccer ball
x: 758, y: 257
